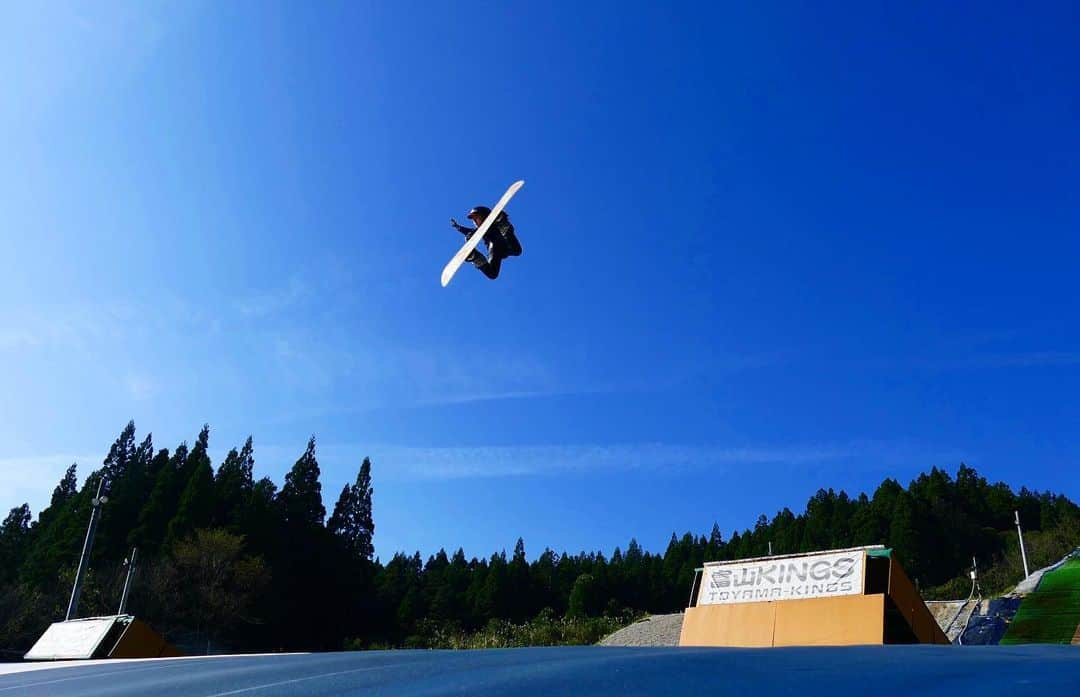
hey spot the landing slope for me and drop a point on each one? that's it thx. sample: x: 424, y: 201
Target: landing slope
x: 1051, y: 613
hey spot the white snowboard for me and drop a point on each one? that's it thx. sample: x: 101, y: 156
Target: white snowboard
x: 474, y: 240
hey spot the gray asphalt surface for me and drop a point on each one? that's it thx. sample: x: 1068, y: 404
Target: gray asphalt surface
x: 588, y: 670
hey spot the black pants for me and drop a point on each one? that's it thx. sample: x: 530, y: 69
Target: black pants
x: 499, y: 251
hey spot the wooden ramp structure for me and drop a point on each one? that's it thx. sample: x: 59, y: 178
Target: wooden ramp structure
x: 844, y: 597
x: 114, y: 636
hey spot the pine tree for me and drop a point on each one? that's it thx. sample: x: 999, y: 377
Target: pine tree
x: 159, y: 462
x: 543, y: 575
x: 413, y: 605
x: 234, y: 485
x: 902, y: 535
x: 391, y: 584
x: 518, y: 582
x: 437, y: 588
x: 734, y: 546
x: 865, y: 528
x: 127, y: 472
x: 493, y: 600
x: 673, y: 559
x: 352, y: 521
x: 66, y: 488
x: 311, y: 554
x: 261, y: 519
x: 301, y: 497
x: 338, y: 523
x: 159, y: 510
x: 787, y: 532
x: 817, y: 534
x: 457, y: 587
x: 716, y: 543
x: 61, y: 498
x: 364, y: 519
x: 156, y: 526
x: 196, y: 507
x: 971, y: 492
x: 840, y: 521
x: 14, y: 533
x: 761, y: 535
x: 120, y: 455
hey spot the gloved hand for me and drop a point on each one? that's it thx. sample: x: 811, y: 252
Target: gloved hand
x: 457, y: 226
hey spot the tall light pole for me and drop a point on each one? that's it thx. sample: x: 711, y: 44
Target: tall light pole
x: 84, y: 560
x: 127, y: 581
x: 1020, y: 533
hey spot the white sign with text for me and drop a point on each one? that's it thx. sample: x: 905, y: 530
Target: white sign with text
x: 787, y: 578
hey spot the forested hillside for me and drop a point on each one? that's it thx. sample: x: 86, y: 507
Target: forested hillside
x: 230, y: 561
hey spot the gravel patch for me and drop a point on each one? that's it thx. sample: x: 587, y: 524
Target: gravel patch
x: 655, y: 630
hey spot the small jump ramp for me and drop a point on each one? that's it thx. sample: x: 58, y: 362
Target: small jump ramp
x: 839, y: 597
x: 116, y: 636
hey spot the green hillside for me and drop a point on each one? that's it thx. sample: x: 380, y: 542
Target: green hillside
x: 292, y: 572
x: 1051, y: 614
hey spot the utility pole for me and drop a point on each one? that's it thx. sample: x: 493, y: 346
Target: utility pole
x: 770, y: 548
x: 127, y: 581
x: 1020, y: 533
x: 84, y: 560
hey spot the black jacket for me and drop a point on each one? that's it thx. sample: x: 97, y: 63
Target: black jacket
x: 499, y: 236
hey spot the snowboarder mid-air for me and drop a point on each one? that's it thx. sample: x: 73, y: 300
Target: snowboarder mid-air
x: 500, y: 240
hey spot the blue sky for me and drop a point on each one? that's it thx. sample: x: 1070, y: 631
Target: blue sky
x: 768, y: 248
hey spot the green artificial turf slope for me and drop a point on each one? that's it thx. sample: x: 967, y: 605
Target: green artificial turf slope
x: 1051, y: 614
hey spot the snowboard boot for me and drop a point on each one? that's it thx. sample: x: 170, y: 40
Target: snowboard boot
x: 476, y: 259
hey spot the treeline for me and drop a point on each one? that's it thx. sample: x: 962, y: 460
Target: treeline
x: 223, y: 559
x: 230, y: 562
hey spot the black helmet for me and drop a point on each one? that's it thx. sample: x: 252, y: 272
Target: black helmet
x: 481, y: 211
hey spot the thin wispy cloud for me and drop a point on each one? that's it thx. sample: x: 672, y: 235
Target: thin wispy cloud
x: 407, y: 375
x: 468, y: 397
x: 73, y: 326
x: 327, y: 371
x: 443, y: 463
x: 312, y: 357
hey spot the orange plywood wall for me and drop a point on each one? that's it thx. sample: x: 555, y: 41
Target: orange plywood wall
x: 911, y: 606
x: 845, y: 621
x: 744, y: 624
